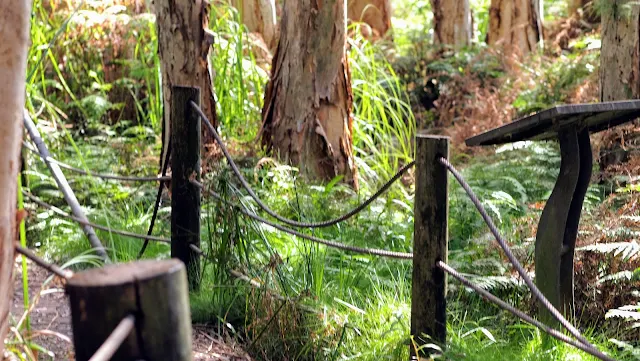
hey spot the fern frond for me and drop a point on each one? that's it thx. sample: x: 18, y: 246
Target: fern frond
x: 624, y: 275
x: 628, y: 312
x: 497, y: 282
x: 627, y: 250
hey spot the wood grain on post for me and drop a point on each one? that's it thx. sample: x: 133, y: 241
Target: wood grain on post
x: 155, y: 292
x: 185, y: 165
x: 430, y: 238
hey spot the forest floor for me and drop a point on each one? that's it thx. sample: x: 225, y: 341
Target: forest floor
x: 51, y: 322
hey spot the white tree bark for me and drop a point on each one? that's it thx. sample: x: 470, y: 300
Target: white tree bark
x: 14, y: 41
x: 259, y: 16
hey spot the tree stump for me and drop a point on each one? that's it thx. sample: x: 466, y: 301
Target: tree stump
x: 155, y: 292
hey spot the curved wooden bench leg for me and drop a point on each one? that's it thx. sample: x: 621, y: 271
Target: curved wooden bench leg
x: 571, y: 231
x: 553, y: 223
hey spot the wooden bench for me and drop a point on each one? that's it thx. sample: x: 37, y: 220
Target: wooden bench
x: 571, y: 125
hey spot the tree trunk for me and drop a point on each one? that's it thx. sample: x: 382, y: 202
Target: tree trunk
x: 183, y: 46
x: 619, y: 62
x: 307, y: 107
x: 619, y: 74
x: 375, y: 13
x: 452, y: 22
x: 515, y: 24
x: 14, y: 32
x: 259, y: 16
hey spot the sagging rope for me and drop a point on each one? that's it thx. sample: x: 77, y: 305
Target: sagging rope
x: 328, y: 243
x: 275, y: 215
x: 588, y: 348
x: 156, y: 205
x: 62, y: 273
x: 98, y: 175
x: 514, y: 261
x: 64, y: 214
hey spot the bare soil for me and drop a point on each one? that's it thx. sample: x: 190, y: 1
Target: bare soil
x: 51, y: 322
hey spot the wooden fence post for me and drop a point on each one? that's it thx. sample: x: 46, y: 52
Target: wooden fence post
x: 185, y: 165
x: 430, y: 239
x: 155, y: 292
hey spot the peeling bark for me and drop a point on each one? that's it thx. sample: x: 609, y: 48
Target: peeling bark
x: 183, y: 45
x: 515, y: 24
x: 619, y: 75
x: 307, y: 109
x: 14, y: 32
x: 452, y: 22
x: 619, y: 61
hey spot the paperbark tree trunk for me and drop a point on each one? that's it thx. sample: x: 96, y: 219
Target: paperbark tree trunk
x: 183, y: 46
x: 619, y: 74
x: 452, y: 22
x: 619, y: 61
x: 515, y: 24
x: 14, y: 32
x: 307, y: 108
x: 375, y: 13
x: 259, y: 16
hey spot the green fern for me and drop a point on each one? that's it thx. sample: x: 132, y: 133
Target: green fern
x: 628, y: 313
x: 626, y: 250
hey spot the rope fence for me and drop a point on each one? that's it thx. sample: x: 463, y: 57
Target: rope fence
x: 96, y: 175
x: 328, y: 243
x: 191, y: 243
x: 512, y: 258
x: 52, y: 268
x: 80, y: 221
x: 590, y: 349
x: 272, y: 213
x: 117, y: 337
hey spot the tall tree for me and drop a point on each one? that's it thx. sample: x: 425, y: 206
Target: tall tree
x: 515, y: 24
x: 259, y: 16
x: 14, y: 32
x: 183, y: 46
x: 307, y: 108
x: 619, y: 58
x: 375, y: 13
x: 619, y: 71
x: 452, y: 22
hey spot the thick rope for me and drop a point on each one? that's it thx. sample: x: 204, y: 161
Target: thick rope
x: 44, y: 264
x: 156, y: 205
x: 514, y: 261
x: 590, y: 349
x: 332, y: 244
x: 273, y: 214
x: 115, y: 339
x: 64, y: 214
x: 99, y: 175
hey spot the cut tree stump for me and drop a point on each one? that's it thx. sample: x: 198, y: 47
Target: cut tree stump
x: 155, y: 292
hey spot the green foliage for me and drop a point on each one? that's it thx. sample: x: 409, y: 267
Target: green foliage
x: 383, y: 123
x: 556, y: 80
x: 239, y: 81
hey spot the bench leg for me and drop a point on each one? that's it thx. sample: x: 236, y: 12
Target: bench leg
x: 571, y: 231
x: 552, y: 227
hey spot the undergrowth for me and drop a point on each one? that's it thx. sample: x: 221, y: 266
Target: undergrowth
x: 288, y: 298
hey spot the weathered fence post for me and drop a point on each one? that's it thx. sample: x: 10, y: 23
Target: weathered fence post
x: 430, y: 238
x: 154, y: 292
x: 185, y: 165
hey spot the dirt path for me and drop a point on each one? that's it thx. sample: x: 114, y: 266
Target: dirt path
x: 51, y: 322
